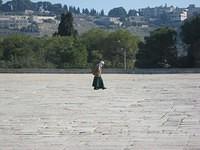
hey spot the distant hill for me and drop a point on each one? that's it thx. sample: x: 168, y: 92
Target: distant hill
x: 84, y: 19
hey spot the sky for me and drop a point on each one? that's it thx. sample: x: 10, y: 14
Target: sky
x: 127, y: 4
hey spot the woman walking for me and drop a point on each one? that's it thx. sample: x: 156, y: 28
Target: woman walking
x: 98, y: 81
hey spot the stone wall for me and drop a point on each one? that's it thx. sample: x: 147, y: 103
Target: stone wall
x: 64, y: 71
x: 106, y: 70
x: 166, y: 71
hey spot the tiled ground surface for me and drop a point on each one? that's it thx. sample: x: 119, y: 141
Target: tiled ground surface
x: 63, y: 112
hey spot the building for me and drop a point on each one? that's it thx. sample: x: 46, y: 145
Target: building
x: 107, y: 21
x: 183, y: 15
x: 137, y: 20
x: 115, y: 21
x: 192, y: 10
x: 42, y: 19
x: 156, y: 11
x: 6, y: 22
x: 13, y: 22
x: 178, y: 15
x: 28, y: 12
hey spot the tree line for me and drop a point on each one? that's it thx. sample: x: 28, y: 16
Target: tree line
x: 160, y: 48
x: 22, y: 5
x: 20, y: 51
x: 67, y: 49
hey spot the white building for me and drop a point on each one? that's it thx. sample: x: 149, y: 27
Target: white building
x: 183, y: 15
x: 115, y: 21
x: 178, y: 15
x: 28, y: 12
x: 42, y: 10
x: 42, y: 19
x: 13, y: 22
x: 107, y: 21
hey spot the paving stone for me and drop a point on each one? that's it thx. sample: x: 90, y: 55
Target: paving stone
x: 63, y: 112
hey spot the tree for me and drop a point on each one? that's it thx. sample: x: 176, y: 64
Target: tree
x: 87, y: 12
x: 94, y: 40
x: 19, y: 51
x: 37, y: 6
x: 116, y: 43
x: 190, y: 30
x: 79, y: 54
x: 102, y: 13
x: 93, y: 12
x: 56, y: 8
x: 65, y: 8
x: 117, y: 12
x: 158, y: 50
x: 64, y: 52
x: 190, y: 33
x: 71, y: 9
x: 44, y: 5
x: 17, y: 5
x: 78, y: 10
x: 110, y: 47
x: 30, y: 28
x: 66, y: 27
x: 132, y: 12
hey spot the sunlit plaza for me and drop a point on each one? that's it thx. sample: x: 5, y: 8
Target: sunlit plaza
x: 135, y: 112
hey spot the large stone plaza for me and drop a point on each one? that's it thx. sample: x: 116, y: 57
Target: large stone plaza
x: 135, y: 112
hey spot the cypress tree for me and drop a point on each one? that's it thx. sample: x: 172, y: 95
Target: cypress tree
x: 66, y: 27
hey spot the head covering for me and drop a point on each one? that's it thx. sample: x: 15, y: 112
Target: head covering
x: 102, y: 62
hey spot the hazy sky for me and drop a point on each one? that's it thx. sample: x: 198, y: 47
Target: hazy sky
x: 127, y: 4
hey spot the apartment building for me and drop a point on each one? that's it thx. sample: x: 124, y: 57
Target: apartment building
x: 192, y: 10
x: 13, y: 22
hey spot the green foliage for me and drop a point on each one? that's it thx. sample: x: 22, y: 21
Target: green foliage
x: 102, y: 13
x: 116, y: 43
x: 196, y: 53
x: 159, y: 50
x: 190, y: 33
x: 132, y: 12
x: 30, y: 28
x: 66, y: 27
x: 94, y: 40
x: 19, y: 51
x: 17, y: 5
x: 110, y: 47
x: 190, y: 30
x: 117, y: 12
x: 85, y: 11
x: 93, y: 12
x: 64, y: 52
x: 79, y: 54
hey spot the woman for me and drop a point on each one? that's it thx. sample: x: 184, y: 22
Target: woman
x: 98, y: 81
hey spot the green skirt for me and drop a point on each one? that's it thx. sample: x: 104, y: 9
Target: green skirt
x: 98, y: 83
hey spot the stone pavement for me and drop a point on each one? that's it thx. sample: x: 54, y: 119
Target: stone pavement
x: 63, y: 112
